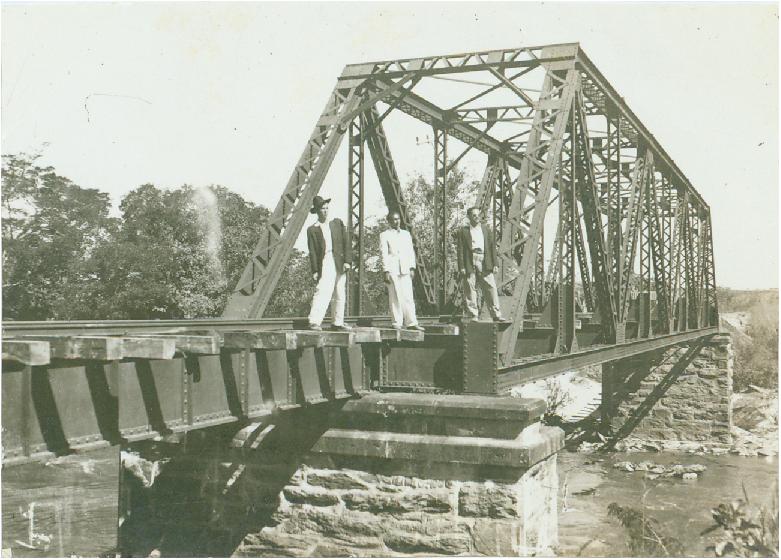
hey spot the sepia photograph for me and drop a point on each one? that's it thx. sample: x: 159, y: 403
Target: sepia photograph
x: 389, y: 279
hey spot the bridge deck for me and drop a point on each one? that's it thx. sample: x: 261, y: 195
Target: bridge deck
x: 72, y: 386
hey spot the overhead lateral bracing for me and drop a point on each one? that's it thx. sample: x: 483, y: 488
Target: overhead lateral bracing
x: 633, y: 241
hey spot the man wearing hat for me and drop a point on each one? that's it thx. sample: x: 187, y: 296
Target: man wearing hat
x: 330, y: 257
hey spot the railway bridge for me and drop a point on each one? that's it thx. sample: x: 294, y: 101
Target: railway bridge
x: 346, y: 443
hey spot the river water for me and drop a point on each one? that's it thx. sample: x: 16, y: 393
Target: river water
x: 86, y: 501
x: 588, y: 483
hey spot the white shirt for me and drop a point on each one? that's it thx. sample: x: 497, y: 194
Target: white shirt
x: 325, y: 227
x: 477, y: 237
x: 398, y: 254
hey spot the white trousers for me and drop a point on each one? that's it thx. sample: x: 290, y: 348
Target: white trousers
x: 488, y: 285
x: 402, y: 301
x: 331, y: 283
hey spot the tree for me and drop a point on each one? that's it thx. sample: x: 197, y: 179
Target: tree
x: 177, y: 253
x: 49, y: 226
x: 172, y: 254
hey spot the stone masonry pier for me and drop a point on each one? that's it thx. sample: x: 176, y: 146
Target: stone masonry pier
x: 676, y: 397
x: 402, y: 474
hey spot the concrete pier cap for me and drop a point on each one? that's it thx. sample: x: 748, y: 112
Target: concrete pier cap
x: 400, y: 474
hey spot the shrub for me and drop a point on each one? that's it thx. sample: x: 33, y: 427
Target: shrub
x: 748, y: 531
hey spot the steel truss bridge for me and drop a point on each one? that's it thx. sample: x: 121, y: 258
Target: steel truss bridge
x: 606, y: 252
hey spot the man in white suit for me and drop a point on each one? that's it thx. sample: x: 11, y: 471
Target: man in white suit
x: 398, y: 262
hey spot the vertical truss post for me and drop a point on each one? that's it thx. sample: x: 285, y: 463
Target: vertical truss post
x: 355, y: 219
x: 648, y: 202
x: 690, y: 264
x: 615, y: 212
x: 505, y: 194
x: 592, y: 217
x: 711, y: 301
x: 538, y: 282
x: 585, y: 277
x: 631, y: 230
x: 441, y: 215
x: 668, y: 243
x: 697, y: 276
x: 260, y: 276
x: 656, y: 241
x: 680, y: 244
x: 534, y: 168
x: 673, y: 250
x: 381, y: 156
x: 565, y: 329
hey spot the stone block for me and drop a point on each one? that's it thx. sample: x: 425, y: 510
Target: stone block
x: 459, y: 406
x: 481, y: 500
x: 430, y: 501
x: 686, y: 415
x: 325, y: 549
x: 448, y: 544
x: 272, y: 543
x: 343, y: 526
x: 477, y: 451
x: 710, y: 373
x: 663, y: 414
x: 336, y: 480
x: 388, y: 488
x: 309, y: 495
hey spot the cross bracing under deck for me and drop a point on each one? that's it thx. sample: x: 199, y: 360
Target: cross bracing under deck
x: 593, y: 218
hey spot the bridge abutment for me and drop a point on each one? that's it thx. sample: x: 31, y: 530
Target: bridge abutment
x: 402, y: 474
x: 677, y: 396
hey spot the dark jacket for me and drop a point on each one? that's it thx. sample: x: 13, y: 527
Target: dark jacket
x: 464, y: 250
x: 343, y: 252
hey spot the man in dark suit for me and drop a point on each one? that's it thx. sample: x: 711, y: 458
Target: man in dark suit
x: 477, y: 264
x: 330, y: 257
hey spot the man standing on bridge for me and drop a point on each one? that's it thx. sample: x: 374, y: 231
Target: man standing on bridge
x: 398, y: 262
x: 476, y: 251
x: 330, y: 257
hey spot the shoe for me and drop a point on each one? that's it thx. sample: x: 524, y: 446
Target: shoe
x: 344, y: 328
x: 397, y: 327
x: 416, y: 328
x: 313, y: 327
x: 501, y: 319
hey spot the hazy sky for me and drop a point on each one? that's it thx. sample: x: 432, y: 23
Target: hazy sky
x: 123, y: 94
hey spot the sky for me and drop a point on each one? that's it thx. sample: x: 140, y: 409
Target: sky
x: 118, y: 95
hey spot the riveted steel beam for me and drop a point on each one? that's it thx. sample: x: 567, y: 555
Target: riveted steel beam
x: 463, y: 62
x: 541, y: 367
x: 357, y: 214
